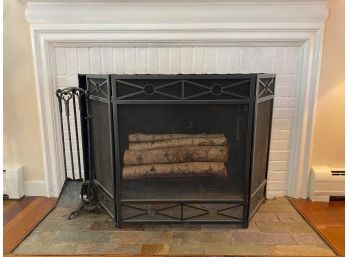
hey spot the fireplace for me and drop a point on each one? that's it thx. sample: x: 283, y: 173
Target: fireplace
x: 178, y: 148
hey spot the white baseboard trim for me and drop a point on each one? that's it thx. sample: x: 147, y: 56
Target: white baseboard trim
x: 35, y: 188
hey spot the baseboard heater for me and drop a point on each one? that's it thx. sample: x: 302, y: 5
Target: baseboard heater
x: 325, y: 183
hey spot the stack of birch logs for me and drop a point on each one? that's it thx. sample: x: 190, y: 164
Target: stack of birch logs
x: 175, y: 155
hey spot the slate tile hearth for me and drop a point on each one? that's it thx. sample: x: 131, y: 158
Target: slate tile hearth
x: 276, y: 229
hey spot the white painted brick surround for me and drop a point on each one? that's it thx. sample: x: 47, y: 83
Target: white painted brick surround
x: 187, y: 60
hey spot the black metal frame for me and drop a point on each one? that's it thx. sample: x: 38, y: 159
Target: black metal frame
x: 260, y: 91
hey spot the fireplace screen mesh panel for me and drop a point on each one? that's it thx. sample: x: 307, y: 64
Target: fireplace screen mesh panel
x: 180, y: 148
x: 188, y: 120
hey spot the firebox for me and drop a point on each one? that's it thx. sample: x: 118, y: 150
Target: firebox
x: 178, y: 148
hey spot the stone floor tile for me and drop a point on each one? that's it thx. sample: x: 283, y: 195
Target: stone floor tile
x: 59, y: 248
x: 28, y: 248
x: 284, y: 227
x: 262, y: 238
x: 107, y: 248
x: 172, y: 227
x: 83, y: 236
x: 186, y: 249
x: 229, y: 249
x: 43, y: 237
x: 282, y: 207
x: 308, y: 239
x: 290, y: 217
x: 155, y: 249
x: 49, y: 248
x: 265, y: 216
x: 58, y: 213
x: 187, y: 237
x: 141, y: 237
x: 301, y: 250
x: 252, y: 227
x: 107, y: 225
x: 221, y: 227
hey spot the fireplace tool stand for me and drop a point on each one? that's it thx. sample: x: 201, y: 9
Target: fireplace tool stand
x: 78, y: 193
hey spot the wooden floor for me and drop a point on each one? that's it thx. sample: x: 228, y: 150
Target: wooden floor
x: 21, y: 217
x: 326, y: 218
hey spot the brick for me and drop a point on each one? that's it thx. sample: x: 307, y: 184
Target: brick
x: 262, y: 59
x: 129, y: 57
x: 83, y: 60
x: 107, y: 60
x: 209, y: 60
x: 278, y: 59
x: 187, y: 60
x: 63, y: 81
x: 198, y: 60
x: 118, y: 66
x: 245, y: 60
x: 286, y: 80
x: 140, y: 60
x: 71, y: 61
x: 95, y: 60
x: 285, y: 91
x: 282, y: 124
x: 281, y: 134
x: 222, y: 60
x: 175, y: 60
x: 279, y: 155
x: 287, y: 113
x: 278, y: 165
x: 163, y: 62
x: 280, y: 145
x: 233, y: 59
x: 152, y: 60
x: 277, y: 185
x: 60, y: 55
x: 290, y: 60
x: 275, y: 193
x: 277, y: 175
x: 284, y: 102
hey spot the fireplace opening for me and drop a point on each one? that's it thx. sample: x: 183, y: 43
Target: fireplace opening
x: 178, y: 148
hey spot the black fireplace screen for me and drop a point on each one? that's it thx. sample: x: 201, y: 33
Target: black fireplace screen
x: 178, y: 148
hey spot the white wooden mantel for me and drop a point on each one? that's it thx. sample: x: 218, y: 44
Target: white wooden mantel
x: 145, y: 23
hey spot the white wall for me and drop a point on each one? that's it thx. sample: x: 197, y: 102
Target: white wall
x: 22, y: 138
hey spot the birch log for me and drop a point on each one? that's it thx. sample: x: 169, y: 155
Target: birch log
x: 197, y: 141
x: 176, y: 155
x: 189, y: 169
x: 140, y: 137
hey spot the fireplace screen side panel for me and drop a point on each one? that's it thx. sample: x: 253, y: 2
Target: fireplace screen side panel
x: 101, y: 139
x: 261, y: 140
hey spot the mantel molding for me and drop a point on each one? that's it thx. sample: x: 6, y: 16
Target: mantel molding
x: 168, y: 13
